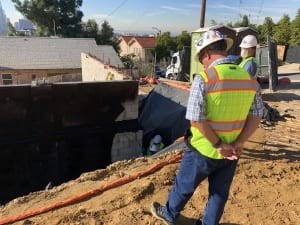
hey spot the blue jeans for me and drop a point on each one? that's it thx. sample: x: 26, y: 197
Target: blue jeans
x: 194, y: 169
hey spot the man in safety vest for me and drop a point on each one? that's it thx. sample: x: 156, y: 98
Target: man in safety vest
x: 224, y: 109
x: 248, y: 51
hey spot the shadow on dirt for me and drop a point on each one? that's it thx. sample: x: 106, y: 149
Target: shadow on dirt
x: 277, y: 97
x: 280, y: 154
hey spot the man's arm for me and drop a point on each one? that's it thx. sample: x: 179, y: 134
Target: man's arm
x: 249, y: 128
x: 206, y: 130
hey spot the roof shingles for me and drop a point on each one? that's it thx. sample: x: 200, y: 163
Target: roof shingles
x: 51, y: 53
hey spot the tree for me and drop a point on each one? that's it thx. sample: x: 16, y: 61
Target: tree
x: 128, y: 61
x: 243, y: 23
x: 229, y: 24
x: 184, y: 39
x: 55, y: 17
x: 213, y: 22
x: 90, y: 29
x: 11, y: 31
x: 282, y: 32
x: 164, y: 45
x: 266, y: 29
x: 295, y: 30
x: 106, y: 34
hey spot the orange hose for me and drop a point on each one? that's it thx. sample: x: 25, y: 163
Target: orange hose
x: 181, y: 85
x: 91, y: 193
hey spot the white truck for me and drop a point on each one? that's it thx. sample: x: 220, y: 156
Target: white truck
x: 179, y: 69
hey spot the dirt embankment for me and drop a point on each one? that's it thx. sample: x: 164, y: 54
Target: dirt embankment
x: 265, y: 189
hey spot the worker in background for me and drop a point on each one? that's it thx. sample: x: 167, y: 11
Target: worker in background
x: 155, y: 145
x: 248, y: 51
x: 224, y: 109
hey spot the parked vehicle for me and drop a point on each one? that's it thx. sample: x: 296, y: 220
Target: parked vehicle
x: 158, y: 72
x: 179, y: 69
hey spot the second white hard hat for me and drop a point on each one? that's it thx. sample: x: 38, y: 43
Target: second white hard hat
x: 157, y: 139
x: 248, y: 41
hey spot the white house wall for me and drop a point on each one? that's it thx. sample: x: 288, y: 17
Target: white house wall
x: 94, y: 70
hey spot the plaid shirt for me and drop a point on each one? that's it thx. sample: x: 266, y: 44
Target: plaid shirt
x: 196, y: 103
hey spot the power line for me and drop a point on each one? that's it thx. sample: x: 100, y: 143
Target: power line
x: 240, y: 8
x: 260, y: 10
x: 119, y: 6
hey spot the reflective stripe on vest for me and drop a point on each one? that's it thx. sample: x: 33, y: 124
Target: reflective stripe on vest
x: 230, y: 91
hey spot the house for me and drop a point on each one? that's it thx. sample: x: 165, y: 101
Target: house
x: 25, y: 60
x: 123, y: 44
x: 141, y: 46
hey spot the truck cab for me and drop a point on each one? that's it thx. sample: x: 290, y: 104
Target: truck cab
x: 180, y: 64
x: 175, y: 67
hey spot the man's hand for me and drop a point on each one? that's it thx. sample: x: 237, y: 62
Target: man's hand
x: 231, y: 152
x: 227, y: 151
x: 238, y: 148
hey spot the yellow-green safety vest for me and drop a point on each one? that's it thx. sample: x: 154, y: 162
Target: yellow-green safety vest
x: 243, y: 63
x: 230, y: 91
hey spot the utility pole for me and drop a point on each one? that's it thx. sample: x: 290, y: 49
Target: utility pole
x: 202, y: 17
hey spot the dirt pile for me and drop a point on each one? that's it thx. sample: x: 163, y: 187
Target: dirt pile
x: 265, y: 190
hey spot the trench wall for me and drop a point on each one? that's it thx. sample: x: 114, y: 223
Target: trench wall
x: 55, y: 132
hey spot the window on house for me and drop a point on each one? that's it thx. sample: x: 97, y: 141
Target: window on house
x: 136, y: 51
x: 33, y: 77
x: 6, y: 79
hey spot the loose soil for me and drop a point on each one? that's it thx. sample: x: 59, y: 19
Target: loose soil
x: 265, y: 190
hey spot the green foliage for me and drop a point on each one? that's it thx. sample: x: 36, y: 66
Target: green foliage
x: 295, y: 30
x: 105, y: 35
x: 213, y: 22
x: 164, y: 45
x: 266, y: 29
x: 90, y: 29
x: 184, y: 39
x: 128, y: 61
x: 55, y: 17
x: 282, y: 32
x: 243, y: 23
x: 229, y: 24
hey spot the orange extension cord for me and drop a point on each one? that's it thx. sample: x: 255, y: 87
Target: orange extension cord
x: 180, y: 85
x: 91, y: 193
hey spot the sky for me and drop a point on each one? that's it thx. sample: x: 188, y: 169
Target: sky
x: 175, y: 16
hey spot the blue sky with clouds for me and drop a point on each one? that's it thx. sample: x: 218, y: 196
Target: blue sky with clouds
x: 174, y: 15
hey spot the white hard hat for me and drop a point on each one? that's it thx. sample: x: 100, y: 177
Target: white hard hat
x: 208, y: 38
x: 153, y: 147
x: 248, y: 41
x: 157, y: 139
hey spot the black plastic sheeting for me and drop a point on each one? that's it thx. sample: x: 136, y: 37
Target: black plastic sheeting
x: 55, y: 132
x: 163, y: 112
x: 293, y: 55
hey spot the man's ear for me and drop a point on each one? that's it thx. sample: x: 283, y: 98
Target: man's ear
x: 208, y: 54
